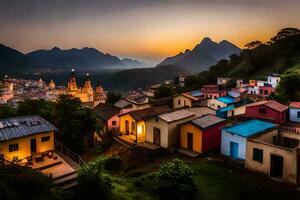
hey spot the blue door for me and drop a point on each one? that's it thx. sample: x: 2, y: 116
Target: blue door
x: 234, y: 150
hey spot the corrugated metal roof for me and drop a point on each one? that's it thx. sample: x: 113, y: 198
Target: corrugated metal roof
x: 17, y: 127
x: 176, y: 115
x: 226, y: 99
x: 250, y: 127
x: 207, y: 120
x: 295, y: 104
x: 271, y: 104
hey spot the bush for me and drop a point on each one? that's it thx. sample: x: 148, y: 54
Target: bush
x: 104, y: 145
x: 112, y: 164
x: 174, y: 180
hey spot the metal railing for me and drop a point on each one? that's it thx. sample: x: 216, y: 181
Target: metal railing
x: 290, y: 129
x: 74, y: 156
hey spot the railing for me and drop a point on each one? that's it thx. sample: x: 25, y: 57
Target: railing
x: 290, y: 129
x: 74, y: 156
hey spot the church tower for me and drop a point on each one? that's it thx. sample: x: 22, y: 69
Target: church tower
x: 99, y: 95
x: 87, y: 88
x: 52, y: 85
x: 72, y: 85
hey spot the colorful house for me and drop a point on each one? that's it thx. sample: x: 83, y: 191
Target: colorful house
x: 24, y: 137
x: 234, y: 138
x: 294, y: 112
x: 107, y: 117
x: 163, y: 129
x: 234, y: 109
x: 268, y: 110
x: 187, y: 99
x: 201, y: 135
x: 276, y: 154
x: 265, y: 91
x: 222, y: 80
x: 220, y: 102
x: 212, y: 91
x: 273, y: 80
x: 132, y: 124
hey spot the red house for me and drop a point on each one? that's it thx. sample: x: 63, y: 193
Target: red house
x: 266, y: 91
x: 269, y: 110
x: 212, y: 91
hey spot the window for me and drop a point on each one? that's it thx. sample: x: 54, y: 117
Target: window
x: 13, y: 147
x: 298, y: 114
x: 219, y: 106
x: 45, y: 139
x: 179, y: 102
x: 261, y: 91
x: 114, y: 123
x: 262, y: 111
x: 184, y: 103
x: 266, y: 92
x: 258, y: 155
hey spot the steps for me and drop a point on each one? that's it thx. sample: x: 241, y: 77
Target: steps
x: 123, y: 142
x: 66, y: 181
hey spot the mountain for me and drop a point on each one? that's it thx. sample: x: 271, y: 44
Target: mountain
x: 133, y: 63
x: 12, y: 61
x: 202, y: 56
x: 85, y: 58
x: 141, y: 78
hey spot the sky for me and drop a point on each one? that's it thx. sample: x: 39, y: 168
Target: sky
x: 149, y: 30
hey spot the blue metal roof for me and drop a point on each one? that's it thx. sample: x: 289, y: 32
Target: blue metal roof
x: 250, y: 128
x: 227, y: 108
x: 196, y: 93
x: 17, y: 127
x: 226, y: 99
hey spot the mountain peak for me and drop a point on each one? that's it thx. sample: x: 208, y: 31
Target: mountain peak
x: 55, y: 49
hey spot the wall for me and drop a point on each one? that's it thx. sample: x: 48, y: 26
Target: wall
x: 188, y: 102
x: 293, y: 115
x: 123, y: 118
x: 197, y: 137
x: 275, y: 116
x: 110, y: 124
x: 226, y: 138
x: 24, y: 146
x: 212, y: 137
x: 215, y: 104
x: 289, y: 159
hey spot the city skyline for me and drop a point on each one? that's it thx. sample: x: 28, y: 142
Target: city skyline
x: 146, y: 30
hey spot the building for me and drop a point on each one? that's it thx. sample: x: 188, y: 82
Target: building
x: 181, y: 80
x: 267, y: 110
x: 220, y: 102
x: 276, y: 154
x: 107, y: 117
x: 201, y: 135
x: 234, y: 138
x: 222, y: 81
x: 273, y: 80
x: 265, y: 91
x: 237, y: 108
x: 86, y: 93
x: 212, y: 91
x: 163, y: 129
x: 132, y: 124
x: 24, y: 137
x: 187, y: 99
x: 294, y: 112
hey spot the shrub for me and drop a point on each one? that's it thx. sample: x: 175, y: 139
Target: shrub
x: 104, y: 145
x: 112, y: 164
x: 174, y: 180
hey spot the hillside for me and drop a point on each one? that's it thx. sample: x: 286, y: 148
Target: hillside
x: 276, y: 56
x: 88, y: 58
x: 13, y: 61
x: 202, y: 56
x: 141, y: 78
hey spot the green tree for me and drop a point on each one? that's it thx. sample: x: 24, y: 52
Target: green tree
x: 164, y: 91
x: 253, y: 44
x: 285, y: 33
x: 112, y: 98
x: 288, y: 88
x: 174, y: 180
x: 7, y: 111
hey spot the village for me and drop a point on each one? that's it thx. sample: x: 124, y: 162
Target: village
x: 240, y: 124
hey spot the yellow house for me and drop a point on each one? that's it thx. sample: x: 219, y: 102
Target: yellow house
x: 187, y: 99
x: 132, y: 124
x: 23, y: 137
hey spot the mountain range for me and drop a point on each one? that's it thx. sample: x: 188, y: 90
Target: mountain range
x: 202, y: 56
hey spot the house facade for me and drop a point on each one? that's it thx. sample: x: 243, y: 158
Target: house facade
x: 220, y: 102
x: 273, y: 80
x: 234, y: 138
x: 294, y: 112
x: 187, y: 99
x: 269, y: 110
x: 201, y: 135
x: 24, y: 137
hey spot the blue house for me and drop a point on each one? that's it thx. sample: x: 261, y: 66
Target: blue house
x: 234, y: 138
x: 236, y: 108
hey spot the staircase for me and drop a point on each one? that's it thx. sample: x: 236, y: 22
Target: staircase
x: 66, y: 181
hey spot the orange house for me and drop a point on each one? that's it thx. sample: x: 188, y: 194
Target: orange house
x: 201, y: 135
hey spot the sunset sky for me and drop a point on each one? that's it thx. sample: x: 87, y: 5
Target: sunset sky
x: 148, y: 30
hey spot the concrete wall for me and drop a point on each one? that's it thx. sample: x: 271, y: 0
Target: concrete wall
x: 215, y: 104
x: 24, y: 146
x: 181, y: 101
x: 277, y: 117
x: 226, y: 138
x: 110, y: 123
x: 289, y: 159
x: 293, y: 115
x: 197, y: 137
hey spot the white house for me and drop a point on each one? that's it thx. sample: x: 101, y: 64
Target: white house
x: 274, y: 79
x: 294, y: 111
x: 222, y: 81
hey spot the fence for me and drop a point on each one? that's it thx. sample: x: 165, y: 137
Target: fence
x: 75, y: 157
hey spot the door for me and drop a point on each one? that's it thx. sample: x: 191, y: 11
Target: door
x: 156, y: 136
x: 33, y: 145
x: 234, y: 150
x: 276, y: 166
x: 190, y: 141
x: 127, y: 127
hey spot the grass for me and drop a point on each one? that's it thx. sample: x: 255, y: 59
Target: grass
x: 214, y: 180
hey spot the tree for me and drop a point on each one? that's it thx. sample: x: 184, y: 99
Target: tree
x: 253, y: 44
x: 163, y: 91
x: 76, y: 123
x: 7, y: 111
x: 288, y: 88
x: 174, y: 180
x: 112, y: 98
x: 285, y: 33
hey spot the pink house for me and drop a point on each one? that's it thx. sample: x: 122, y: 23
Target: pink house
x: 107, y: 117
x: 212, y: 91
x: 265, y: 91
